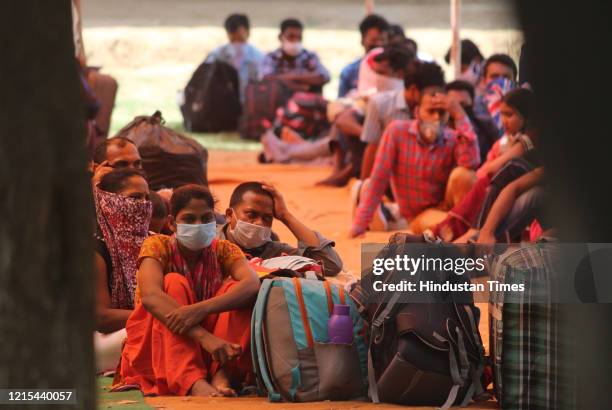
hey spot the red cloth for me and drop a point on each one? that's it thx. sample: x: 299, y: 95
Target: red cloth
x: 418, y: 171
x: 163, y: 363
x: 464, y: 215
x: 124, y: 223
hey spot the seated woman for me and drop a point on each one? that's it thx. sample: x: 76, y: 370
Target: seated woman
x: 252, y: 208
x: 190, y: 329
x: 123, y: 213
x: 519, y: 203
x: 511, y: 162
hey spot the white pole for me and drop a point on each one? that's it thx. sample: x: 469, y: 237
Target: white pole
x: 456, y: 43
x: 369, y: 7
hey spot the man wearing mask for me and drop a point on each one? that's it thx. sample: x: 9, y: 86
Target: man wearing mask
x: 430, y: 166
x: 292, y: 64
x: 498, y: 78
x: 244, y: 57
x: 471, y: 61
x: 373, y: 29
x: 252, y: 209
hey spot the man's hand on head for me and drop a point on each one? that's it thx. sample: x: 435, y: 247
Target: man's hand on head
x: 99, y: 171
x: 281, y: 212
x: 452, y: 105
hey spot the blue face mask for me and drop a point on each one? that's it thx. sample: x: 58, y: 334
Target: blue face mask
x: 196, y: 237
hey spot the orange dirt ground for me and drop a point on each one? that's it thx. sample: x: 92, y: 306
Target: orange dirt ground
x: 324, y: 209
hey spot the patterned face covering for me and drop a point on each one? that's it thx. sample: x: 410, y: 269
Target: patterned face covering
x: 124, y: 223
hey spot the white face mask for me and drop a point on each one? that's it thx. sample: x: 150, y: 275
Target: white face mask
x: 250, y: 236
x: 430, y: 130
x: 196, y: 237
x: 292, y: 48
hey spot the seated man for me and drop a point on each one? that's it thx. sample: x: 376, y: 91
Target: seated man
x: 252, y: 208
x: 498, y: 78
x: 244, y: 57
x: 116, y: 152
x: 388, y: 68
x: 385, y: 107
x: 471, y: 61
x: 484, y: 127
x: 292, y: 64
x: 428, y: 164
x: 373, y: 29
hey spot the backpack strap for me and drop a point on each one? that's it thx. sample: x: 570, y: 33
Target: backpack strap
x: 303, y: 311
x: 377, y: 329
x: 454, y: 373
x: 257, y: 347
x: 330, y: 300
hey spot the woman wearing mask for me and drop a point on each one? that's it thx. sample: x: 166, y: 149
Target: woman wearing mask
x: 123, y: 212
x: 252, y: 209
x: 190, y: 329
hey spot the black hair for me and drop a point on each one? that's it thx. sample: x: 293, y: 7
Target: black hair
x: 290, y: 22
x: 116, y: 180
x: 234, y: 21
x: 423, y: 75
x: 160, y: 210
x: 461, y: 85
x: 409, y: 42
x: 469, y: 52
x: 372, y: 21
x: 183, y: 195
x: 398, y: 56
x: 523, y: 101
x: 504, y: 59
x: 251, y: 186
x: 101, y: 149
x: 396, y: 30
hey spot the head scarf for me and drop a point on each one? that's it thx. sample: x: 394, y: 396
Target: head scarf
x: 206, y: 278
x: 124, y: 223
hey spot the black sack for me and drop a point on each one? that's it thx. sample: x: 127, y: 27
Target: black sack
x: 169, y: 158
x: 212, y: 99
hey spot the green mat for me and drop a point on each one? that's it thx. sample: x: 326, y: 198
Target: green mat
x: 131, y: 399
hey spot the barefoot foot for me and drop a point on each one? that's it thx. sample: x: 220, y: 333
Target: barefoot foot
x: 203, y: 389
x: 222, y: 384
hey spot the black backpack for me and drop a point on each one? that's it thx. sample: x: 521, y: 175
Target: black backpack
x: 427, y: 353
x: 212, y: 99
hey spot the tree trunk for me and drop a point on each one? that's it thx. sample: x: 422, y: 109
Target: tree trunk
x: 46, y: 217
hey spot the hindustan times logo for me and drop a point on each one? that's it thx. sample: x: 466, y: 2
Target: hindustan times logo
x: 410, y: 265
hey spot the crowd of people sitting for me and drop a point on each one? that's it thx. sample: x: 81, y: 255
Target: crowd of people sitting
x: 451, y: 161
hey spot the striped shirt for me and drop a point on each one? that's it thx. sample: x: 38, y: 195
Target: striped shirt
x: 418, y: 171
x: 381, y: 110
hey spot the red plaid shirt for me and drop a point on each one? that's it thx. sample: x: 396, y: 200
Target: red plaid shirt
x: 418, y: 171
